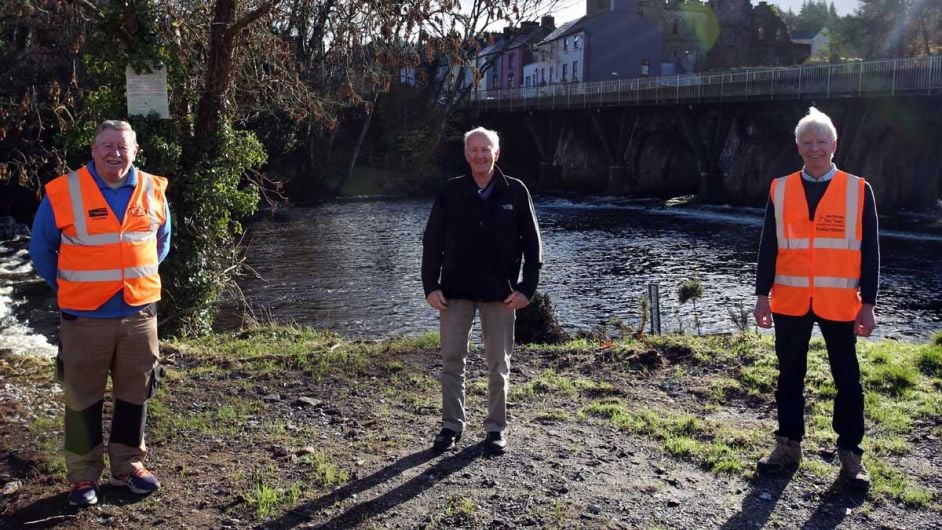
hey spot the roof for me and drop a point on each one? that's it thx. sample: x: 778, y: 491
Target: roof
x: 572, y: 26
x: 803, y: 35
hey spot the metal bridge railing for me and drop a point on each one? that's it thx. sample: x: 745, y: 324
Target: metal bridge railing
x: 891, y: 77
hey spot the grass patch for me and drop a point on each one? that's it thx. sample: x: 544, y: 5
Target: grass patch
x: 719, y: 448
x: 551, y: 382
x: 323, y: 472
x: 269, y: 500
x: 929, y: 360
x: 892, y: 482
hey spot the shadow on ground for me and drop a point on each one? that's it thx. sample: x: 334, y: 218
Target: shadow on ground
x: 368, y: 509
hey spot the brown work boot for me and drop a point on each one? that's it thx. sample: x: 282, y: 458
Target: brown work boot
x: 785, y: 456
x: 852, y: 470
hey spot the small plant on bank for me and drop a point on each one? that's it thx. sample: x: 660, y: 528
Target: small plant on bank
x: 690, y: 291
x: 644, y: 308
x: 739, y: 316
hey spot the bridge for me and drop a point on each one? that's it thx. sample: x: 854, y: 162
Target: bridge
x: 857, y: 79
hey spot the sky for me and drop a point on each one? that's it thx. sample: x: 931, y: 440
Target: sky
x: 574, y: 9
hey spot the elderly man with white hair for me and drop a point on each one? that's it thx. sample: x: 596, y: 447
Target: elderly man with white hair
x: 479, y: 229
x: 819, y: 261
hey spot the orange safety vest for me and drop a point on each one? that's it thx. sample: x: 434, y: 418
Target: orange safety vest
x: 98, y: 256
x: 818, y: 261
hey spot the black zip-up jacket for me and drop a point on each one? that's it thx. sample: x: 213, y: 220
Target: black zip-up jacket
x: 472, y: 247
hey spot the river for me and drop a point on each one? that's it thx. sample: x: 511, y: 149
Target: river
x: 353, y: 266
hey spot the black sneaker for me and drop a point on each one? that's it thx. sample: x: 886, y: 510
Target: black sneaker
x: 496, y: 442
x: 446, y: 439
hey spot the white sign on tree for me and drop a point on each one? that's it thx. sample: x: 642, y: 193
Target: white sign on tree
x: 147, y: 92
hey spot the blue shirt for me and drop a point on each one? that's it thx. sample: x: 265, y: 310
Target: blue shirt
x: 46, y: 237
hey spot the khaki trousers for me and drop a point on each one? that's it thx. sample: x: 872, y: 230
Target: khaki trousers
x: 497, y: 329
x: 91, y: 349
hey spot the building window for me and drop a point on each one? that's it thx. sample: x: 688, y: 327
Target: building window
x: 494, y: 83
x: 575, y: 70
x: 675, y: 29
x: 551, y: 74
x: 510, y: 61
x: 510, y: 81
x: 575, y: 42
x: 565, y: 43
x: 543, y: 75
x: 565, y: 68
x: 645, y: 68
x: 526, y: 80
x: 761, y: 33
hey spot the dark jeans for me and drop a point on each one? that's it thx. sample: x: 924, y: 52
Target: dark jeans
x: 792, y: 335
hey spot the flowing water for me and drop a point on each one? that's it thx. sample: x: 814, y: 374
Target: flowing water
x: 354, y: 266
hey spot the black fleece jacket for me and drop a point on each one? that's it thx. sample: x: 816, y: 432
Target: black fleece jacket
x: 472, y: 247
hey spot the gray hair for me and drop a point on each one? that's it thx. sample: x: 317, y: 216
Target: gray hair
x: 491, y: 136
x: 817, y: 121
x: 114, y: 125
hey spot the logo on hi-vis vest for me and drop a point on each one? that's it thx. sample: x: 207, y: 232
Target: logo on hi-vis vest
x: 830, y: 223
x: 98, y: 212
x: 137, y: 211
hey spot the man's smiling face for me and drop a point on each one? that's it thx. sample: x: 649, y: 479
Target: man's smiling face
x: 113, y: 153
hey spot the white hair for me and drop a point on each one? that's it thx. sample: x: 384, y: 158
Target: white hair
x: 817, y: 121
x: 491, y: 136
x: 114, y: 125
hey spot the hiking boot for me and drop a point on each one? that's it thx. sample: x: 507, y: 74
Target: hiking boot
x: 84, y: 493
x: 785, y: 456
x: 140, y: 481
x: 446, y: 439
x: 852, y: 470
x: 496, y: 442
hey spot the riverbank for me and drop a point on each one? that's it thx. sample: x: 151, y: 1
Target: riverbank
x: 285, y: 427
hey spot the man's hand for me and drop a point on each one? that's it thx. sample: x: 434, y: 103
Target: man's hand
x: 865, y: 321
x: 763, y: 312
x: 437, y: 300
x: 517, y: 300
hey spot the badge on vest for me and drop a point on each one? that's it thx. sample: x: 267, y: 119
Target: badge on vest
x: 137, y: 211
x: 98, y: 212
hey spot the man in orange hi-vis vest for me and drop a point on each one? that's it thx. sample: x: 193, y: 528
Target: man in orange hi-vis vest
x: 819, y: 261
x: 98, y: 237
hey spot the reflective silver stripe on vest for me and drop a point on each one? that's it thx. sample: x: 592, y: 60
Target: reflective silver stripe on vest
x: 148, y: 195
x: 837, y: 283
x: 140, y: 272
x: 107, y: 239
x: 792, y: 281
x: 78, y: 206
x: 106, y: 275
x: 850, y: 219
x: 778, y: 198
x: 837, y: 243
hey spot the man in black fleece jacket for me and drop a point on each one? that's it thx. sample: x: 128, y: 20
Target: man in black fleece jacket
x: 479, y: 229
x: 819, y: 261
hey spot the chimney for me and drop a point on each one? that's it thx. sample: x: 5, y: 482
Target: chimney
x: 548, y: 22
x: 508, y: 31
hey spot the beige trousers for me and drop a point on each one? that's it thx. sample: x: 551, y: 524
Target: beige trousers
x: 497, y: 329
x: 91, y: 349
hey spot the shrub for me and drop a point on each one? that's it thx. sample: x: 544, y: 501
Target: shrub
x: 537, y: 323
x: 929, y: 361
